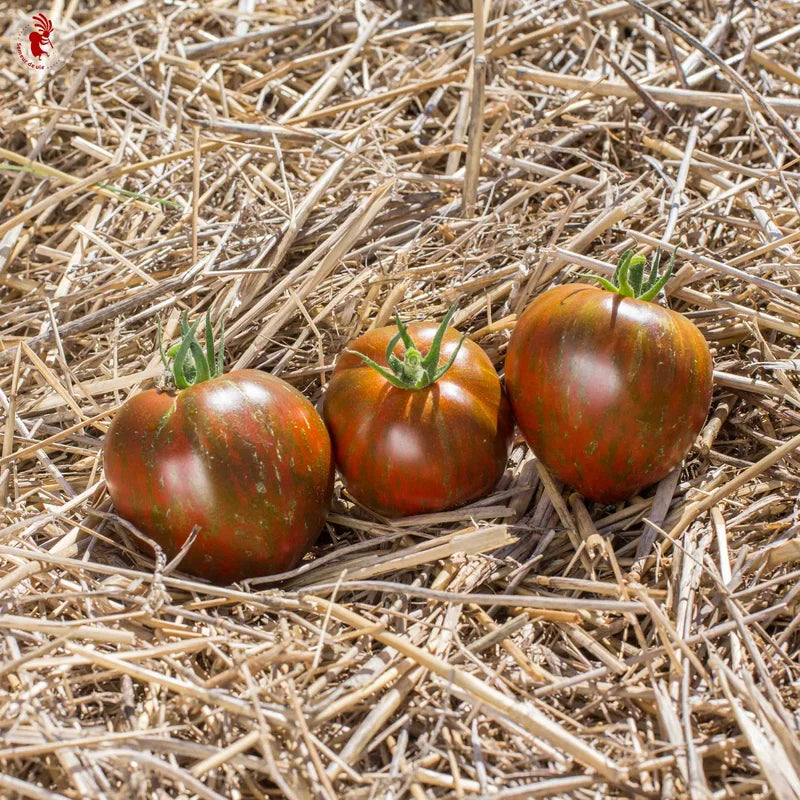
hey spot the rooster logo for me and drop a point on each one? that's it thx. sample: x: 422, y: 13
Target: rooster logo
x: 40, y: 37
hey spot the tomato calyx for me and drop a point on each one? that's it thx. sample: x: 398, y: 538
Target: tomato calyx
x: 415, y: 371
x: 630, y: 280
x: 190, y: 365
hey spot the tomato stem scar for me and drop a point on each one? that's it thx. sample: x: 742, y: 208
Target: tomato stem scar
x: 629, y: 278
x: 414, y: 371
x: 190, y: 365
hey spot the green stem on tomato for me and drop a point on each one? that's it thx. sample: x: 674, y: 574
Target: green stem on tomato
x: 190, y: 365
x: 414, y: 371
x: 629, y: 276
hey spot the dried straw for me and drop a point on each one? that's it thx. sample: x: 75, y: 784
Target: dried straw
x: 301, y: 170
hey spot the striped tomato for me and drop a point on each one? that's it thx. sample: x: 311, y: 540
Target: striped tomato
x: 429, y: 432
x: 609, y: 389
x: 243, y: 456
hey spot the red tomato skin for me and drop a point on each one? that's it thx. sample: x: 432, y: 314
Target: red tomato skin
x: 245, y: 456
x: 609, y: 392
x: 403, y: 452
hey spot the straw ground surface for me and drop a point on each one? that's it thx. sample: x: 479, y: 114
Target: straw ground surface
x: 300, y: 170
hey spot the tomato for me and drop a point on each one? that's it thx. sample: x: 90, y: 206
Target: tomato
x: 244, y: 456
x: 609, y: 390
x: 423, y: 434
